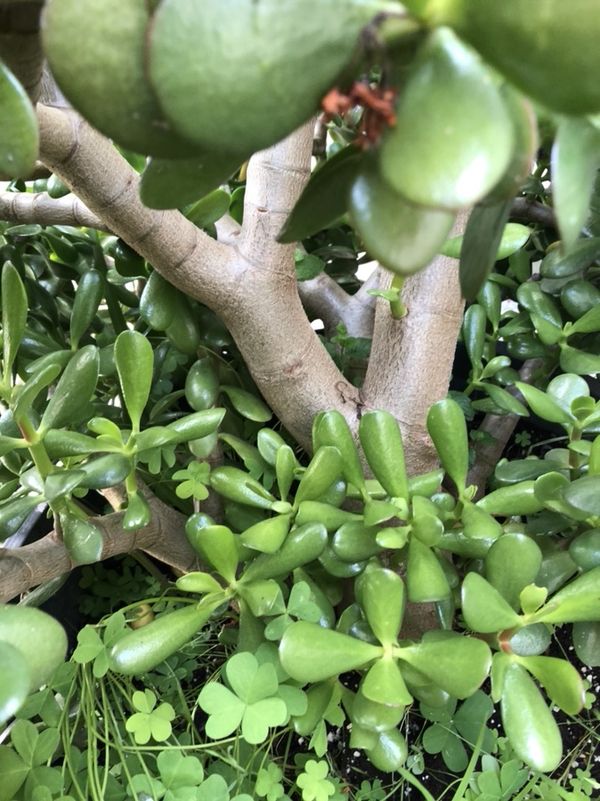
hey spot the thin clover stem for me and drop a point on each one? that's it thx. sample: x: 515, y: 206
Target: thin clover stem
x: 460, y: 791
x: 68, y: 734
x: 408, y: 776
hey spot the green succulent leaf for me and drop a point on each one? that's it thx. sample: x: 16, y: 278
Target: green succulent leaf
x: 134, y: 359
x: 19, y: 139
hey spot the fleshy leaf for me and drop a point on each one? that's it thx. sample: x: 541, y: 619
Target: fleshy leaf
x: 19, y: 136
x: 527, y: 721
x: 310, y: 653
x: 484, y: 609
x: 134, y: 359
x: 453, y: 662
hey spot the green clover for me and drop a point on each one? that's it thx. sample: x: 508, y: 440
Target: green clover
x: 194, y: 479
x: 154, y: 457
x: 91, y: 647
x: 314, y: 783
x: 268, y: 782
x: 149, y: 722
x: 252, y: 700
x: 300, y: 606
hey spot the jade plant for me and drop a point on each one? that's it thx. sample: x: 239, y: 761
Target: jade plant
x: 282, y: 576
x: 194, y: 189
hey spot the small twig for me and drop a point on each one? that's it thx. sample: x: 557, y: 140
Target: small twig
x: 500, y: 428
x: 531, y: 211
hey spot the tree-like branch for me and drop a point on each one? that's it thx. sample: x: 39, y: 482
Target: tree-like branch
x: 23, y: 207
x: 20, y: 46
x: 324, y: 298
x: 531, y: 211
x: 250, y: 283
x: 164, y: 538
x: 411, y: 358
x: 108, y: 186
x: 500, y: 429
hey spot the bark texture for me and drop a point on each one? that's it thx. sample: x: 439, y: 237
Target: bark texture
x: 249, y: 280
x: 411, y: 358
x: 44, y: 560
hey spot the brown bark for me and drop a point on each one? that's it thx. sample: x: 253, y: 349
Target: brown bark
x: 411, y: 359
x: 250, y: 283
x: 46, y: 559
x: 22, y: 207
x: 20, y: 46
x: 500, y: 428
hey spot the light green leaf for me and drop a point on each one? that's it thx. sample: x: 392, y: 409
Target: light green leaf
x: 14, y: 310
x: 172, y: 184
x: 575, y: 159
x: 310, y: 653
x: 134, y: 359
x: 19, y: 138
x: 454, y: 164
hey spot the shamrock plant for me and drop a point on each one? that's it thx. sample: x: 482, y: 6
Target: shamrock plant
x: 254, y: 699
x: 149, y: 721
x: 314, y: 783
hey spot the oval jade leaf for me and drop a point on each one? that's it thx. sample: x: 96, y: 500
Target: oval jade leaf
x: 325, y: 197
x: 448, y: 429
x: 426, y: 579
x: 528, y: 723
x: 19, y: 138
x: 575, y: 159
x: 39, y: 638
x: 134, y: 359
x: 584, y: 550
x: 517, y: 499
x: 550, y: 52
x: 269, y: 535
x: 82, y: 539
x: 584, y: 494
x: 216, y: 544
x: 384, y: 684
x: 454, y: 136
x: 173, y: 184
x: 247, y: 404
x: 560, y: 679
x: 310, y: 653
x: 511, y: 564
x: 455, y: 663
x: 403, y: 237
x: 373, y: 715
x: 143, y: 649
x: 482, y: 245
x: 586, y: 640
x: 255, y: 80
x: 14, y: 316
x: 484, y: 609
x: 390, y: 752
x: 15, y: 681
x: 577, y: 601
x: 97, y: 56
x: 73, y: 391
x: 380, y: 592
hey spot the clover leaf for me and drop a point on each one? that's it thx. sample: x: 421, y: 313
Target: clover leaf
x: 268, y: 782
x: 149, y: 721
x: 91, y: 647
x: 214, y: 788
x: 154, y: 457
x: 179, y: 774
x: 300, y: 605
x: 194, y: 479
x: 314, y: 783
x: 252, y: 700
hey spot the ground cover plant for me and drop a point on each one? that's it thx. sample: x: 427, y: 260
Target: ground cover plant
x: 291, y: 542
